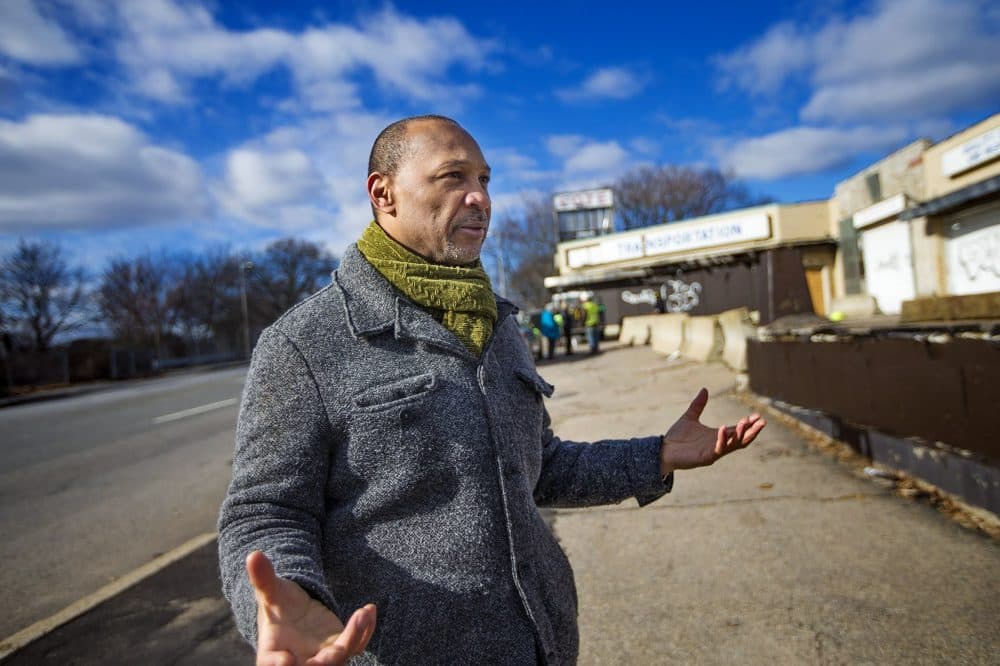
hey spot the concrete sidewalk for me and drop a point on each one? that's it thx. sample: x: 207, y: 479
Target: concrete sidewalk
x: 777, y: 554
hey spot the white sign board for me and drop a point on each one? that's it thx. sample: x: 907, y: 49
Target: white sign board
x: 677, y: 237
x: 883, y: 209
x: 889, y: 265
x: 584, y: 200
x: 605, y: 252
x: 694, y: 236
x: 972, y: 153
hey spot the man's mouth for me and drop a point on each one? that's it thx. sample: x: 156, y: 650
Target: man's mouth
x: 474, y: 226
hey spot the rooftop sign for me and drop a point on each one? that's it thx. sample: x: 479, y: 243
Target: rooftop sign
x: 584, y: 200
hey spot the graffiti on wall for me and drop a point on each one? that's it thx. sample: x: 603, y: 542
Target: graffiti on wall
x: 979, y: 257
x: 681, y: 296
x: 644, y: 296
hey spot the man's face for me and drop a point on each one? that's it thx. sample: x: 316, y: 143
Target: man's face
x: 442, y: 207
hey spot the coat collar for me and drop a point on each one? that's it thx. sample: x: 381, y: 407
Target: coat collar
x: 373, y: 306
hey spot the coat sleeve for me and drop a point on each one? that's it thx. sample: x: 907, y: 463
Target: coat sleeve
x: 608, y: 471
x: 276, y: 499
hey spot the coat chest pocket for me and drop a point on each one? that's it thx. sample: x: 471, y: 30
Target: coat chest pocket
x: 392, y: 425
x: 394, y: 394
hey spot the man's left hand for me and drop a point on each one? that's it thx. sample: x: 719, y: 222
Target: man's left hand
x: 690, y: 444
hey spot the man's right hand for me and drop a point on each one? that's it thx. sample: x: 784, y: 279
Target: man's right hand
x: 293, y: 629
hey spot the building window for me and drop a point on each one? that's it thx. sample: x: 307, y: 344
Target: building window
x: 874, y: 184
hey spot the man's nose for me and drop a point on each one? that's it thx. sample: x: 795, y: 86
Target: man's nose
x: 478, y: 198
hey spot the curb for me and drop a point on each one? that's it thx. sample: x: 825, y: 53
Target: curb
x: 12, y: 644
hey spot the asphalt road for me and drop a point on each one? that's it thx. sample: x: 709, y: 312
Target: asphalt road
x: 94, y: 486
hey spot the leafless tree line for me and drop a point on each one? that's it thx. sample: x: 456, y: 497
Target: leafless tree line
x: 171, y: 304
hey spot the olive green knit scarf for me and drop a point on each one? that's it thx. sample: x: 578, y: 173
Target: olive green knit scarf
x: 460, y: 297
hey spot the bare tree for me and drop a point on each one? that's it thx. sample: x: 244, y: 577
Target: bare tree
x: 520, y: 252
x: 133, y: 299
x: 656, y: 195
x: 205, y: 300
x: 286, y: 272
x: 41, y: 294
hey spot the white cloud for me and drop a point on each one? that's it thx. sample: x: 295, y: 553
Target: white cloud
x: 183, y: 42
x: 645, y: 146
x: 762, y: 67
x: 597, y: 156
x: 804, y: 150
x: 904, y: 59
x: 510, y: 161
x: 307, y: 179
x: 931, y: 92
x: 176, y: 42
x: 259, y: 179
x: 605, y: 83
x: 564, y: 145
x: 29, y: 37
x: 91, y: 171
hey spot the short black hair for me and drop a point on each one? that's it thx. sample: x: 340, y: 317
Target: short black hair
x: 391, y: 145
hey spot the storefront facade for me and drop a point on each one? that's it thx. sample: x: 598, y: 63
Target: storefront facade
x: 876, y: 247
x: 756, y: 257
x: 960, y: 213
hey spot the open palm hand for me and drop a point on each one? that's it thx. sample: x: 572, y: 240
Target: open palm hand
x: 293, y: 629
x: 688, y: 443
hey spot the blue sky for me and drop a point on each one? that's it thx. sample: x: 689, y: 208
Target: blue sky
x: 132, y: 125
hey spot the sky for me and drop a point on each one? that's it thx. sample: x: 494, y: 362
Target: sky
x: 137, y: 125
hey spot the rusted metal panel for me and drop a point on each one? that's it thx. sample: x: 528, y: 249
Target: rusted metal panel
x: 947, y: 392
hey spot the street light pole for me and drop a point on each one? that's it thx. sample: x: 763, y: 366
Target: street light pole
x: 244, y: 267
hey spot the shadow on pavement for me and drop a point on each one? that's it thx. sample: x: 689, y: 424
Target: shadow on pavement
x: 176, y: 616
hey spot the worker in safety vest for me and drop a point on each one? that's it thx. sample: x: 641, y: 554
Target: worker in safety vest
x: 592, y: 321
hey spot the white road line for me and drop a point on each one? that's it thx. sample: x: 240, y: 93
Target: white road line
x: 194, y: 410
x: 37, y: 630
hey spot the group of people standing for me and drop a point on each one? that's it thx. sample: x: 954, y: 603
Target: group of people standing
x: 554, y: 324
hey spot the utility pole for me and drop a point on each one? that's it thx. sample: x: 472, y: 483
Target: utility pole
x: 244, y: 267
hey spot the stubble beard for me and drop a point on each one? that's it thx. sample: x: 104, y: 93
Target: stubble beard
x: 458, y: 255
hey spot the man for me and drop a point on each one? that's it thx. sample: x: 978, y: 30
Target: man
x: 393, y: 447
x: 568, y: 322
x: 592, y: 321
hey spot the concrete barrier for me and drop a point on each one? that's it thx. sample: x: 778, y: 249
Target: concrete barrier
x: 666, y: 332
x: 736, y: 327
x: 702, y: 339
x: 635, y: 330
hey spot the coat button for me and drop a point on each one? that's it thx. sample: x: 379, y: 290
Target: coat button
x: 510, y: 470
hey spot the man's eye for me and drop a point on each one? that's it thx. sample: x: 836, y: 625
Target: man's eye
x: 485, y: 180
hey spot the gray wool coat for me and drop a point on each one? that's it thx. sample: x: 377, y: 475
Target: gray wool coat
x: 377, y: 460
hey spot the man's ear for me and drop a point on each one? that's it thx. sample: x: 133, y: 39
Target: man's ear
x: 380, y: 193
